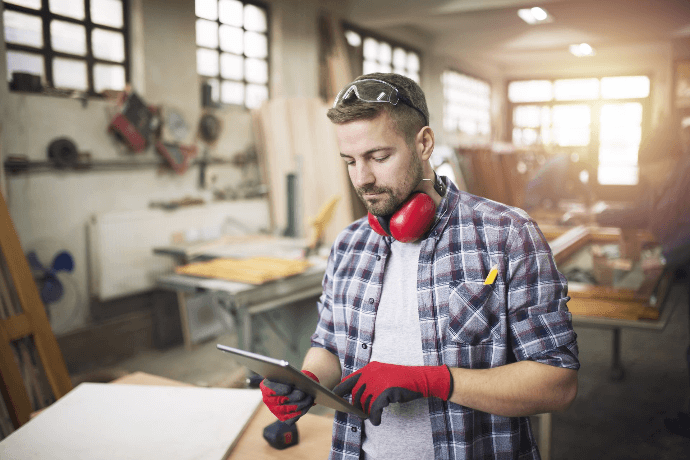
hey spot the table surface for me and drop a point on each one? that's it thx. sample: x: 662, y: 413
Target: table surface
x: 314, y: 430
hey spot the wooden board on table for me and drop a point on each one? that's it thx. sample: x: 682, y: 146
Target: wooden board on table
x: 314, y: 433
x: 136, y: 421
x: 255, y: 270
x: 294, y: 136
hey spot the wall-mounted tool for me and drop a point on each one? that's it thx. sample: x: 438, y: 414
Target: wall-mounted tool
x: 62, y: 152
x: 178, y: 156
x: 134, y: 123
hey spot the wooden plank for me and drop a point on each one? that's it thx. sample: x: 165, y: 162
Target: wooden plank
x: 612, y: 309
x: 256, y: 270
x: 136, y: 421
x: 32, y: 306
x: 16, y: 327
x: 12, y: 389
x: 569, y: 243
x: 314, y: 439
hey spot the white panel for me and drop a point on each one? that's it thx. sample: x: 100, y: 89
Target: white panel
x: 117, y: 422
x: 122, y: 243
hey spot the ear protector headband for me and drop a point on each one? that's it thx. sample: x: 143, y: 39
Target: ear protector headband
x: 412, y: 219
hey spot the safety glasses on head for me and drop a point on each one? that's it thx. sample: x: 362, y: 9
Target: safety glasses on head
x: 372, y: 90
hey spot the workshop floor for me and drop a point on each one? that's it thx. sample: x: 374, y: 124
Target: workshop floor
x: 612, y: 420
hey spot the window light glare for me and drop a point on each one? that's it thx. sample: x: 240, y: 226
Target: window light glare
x: 581, y: 50
x: 353, y: 38
x: 534, y: 15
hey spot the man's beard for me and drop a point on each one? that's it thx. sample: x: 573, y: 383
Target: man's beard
x: 388, y: 203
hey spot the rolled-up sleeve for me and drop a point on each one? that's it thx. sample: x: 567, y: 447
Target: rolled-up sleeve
x: 541, y: 327
x: 324, y: 336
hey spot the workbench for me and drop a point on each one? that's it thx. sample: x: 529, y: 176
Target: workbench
x: 242, y: 300
x: 146, y: 416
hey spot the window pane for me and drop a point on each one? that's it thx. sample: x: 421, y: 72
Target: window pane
x: 624, y: 87
x: 70, y: 8
x: 576, y: 89
x: 69, y: 73
x: 385, y: 53
x: 215, y: 89
x: 353, y: 38
x: 231, y: 39
x: 231, y: 66
x: 370, y: 67
x: 231, y: 12
x: 107, y: 13
x: 207, y: 9
x: 255, y: 18
x: 24, y: 62
x: 413, y: 63
x: 108, y: 45
x: 571, y: 125
x: 207, y: 62
x: 530, y: 91
x: 232, y: 92
x: 68, y: 37
x: 618, y: 175
x: 256, y: 94
x: 106, y: 76
x: 206, y: 33
x: 399, y: 58
x: 256, y: 70
x: 23, y: 29
x: 255, y: 45
x: 33, y: 4
x: 370, y: 49
x: 414, y: 76
x: 527, y: 116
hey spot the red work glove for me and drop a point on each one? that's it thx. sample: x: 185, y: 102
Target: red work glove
x: 376, y: 385
x: 285, y: 401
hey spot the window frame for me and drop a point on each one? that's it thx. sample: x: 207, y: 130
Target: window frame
x: 604, y: 191
x: 204, y: 78
x: 49, y: 54
x: 356, y: 54
x: 492, y: 128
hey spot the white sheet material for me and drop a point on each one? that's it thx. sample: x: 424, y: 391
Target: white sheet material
x: 99, y: 421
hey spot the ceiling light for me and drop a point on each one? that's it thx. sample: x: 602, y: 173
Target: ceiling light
x: 582, y: 49
x: 535, y: 15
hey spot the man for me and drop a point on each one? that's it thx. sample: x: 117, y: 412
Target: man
x: 431, y: 336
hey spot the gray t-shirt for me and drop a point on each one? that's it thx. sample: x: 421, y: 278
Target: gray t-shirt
x: 405, y: 429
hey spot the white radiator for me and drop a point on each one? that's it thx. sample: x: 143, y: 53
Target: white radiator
x: 121, y: 244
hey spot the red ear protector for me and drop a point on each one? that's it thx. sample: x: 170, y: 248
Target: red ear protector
x: 412, y: 219
x: 409, y: 222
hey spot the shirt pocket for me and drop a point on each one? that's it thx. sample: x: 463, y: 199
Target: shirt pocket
x: 474, y: 315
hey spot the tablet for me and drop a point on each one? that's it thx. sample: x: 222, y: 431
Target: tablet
x: 281, y: 371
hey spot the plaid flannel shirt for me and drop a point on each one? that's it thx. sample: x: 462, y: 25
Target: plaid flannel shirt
x: 464, y: 323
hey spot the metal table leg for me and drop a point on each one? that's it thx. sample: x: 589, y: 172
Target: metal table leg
x: 184, y: 319
x: 617, y: 371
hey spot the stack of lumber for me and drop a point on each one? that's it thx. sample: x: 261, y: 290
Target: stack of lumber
x: 493, y: 175
x: 294, y: 136
x: 256, y: 270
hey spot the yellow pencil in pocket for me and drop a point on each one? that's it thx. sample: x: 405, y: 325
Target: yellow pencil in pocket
x: 492, y: 275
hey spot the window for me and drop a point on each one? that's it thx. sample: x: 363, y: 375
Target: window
x: 466, y: 104
x: 380, y: 55
x: 601, y: 118
x: 71, y: 44
x: 232, y: 51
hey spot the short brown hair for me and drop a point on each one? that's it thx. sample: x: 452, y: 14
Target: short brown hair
x: 407, y: 120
